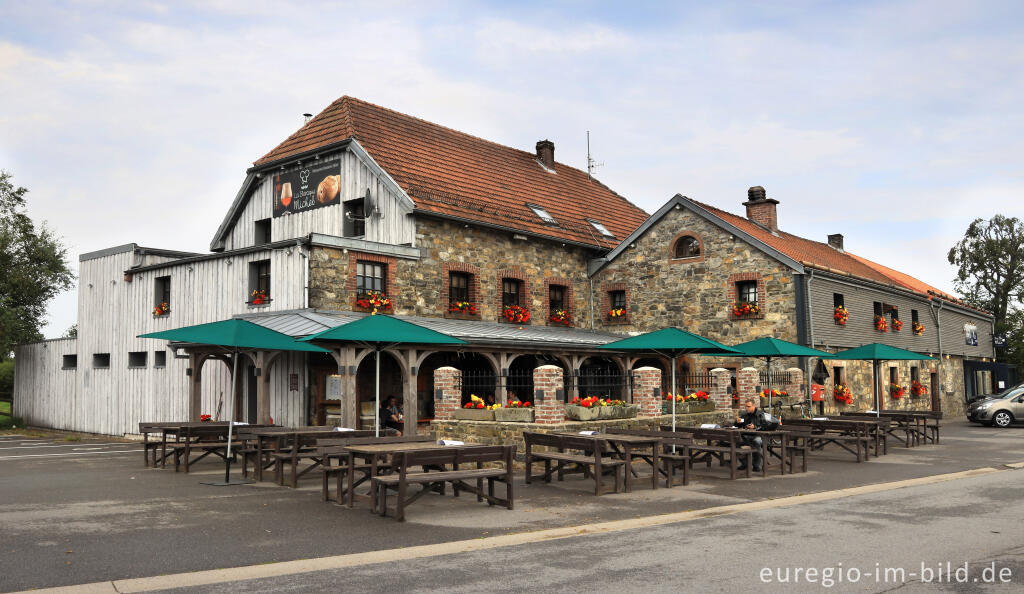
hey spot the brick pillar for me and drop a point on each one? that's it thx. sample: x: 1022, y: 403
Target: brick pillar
x: 747, y: 381
x: 647, y: 391
x: 719, y: 392
x: 795, y: 385
x: 547, y: 386
x: 447, y: 392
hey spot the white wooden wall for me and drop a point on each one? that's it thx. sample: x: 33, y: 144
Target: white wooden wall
x: 395, y: 227
x: 112, y: 312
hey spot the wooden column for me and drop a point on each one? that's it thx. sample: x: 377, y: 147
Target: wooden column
x: 410, y: 399
x: 195, y: 386
x: 349, y: 403
x: 264, y: 363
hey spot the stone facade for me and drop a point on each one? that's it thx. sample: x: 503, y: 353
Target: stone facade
x: 858, y: 377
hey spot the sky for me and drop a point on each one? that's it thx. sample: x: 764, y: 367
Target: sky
x: 893, y: 123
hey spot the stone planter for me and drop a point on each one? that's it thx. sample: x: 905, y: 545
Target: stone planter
x: 699, y: 407
x: 618, y: 412
x: 513, y: 415
x: 581, y: 413
x: 473, y: 414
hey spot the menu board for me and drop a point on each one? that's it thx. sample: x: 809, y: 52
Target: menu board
x: 312, y: 185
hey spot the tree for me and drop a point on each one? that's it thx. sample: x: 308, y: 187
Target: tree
x: 990, y: 275
x: 33, y: 269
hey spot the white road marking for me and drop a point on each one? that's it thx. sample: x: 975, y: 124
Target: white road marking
x: 112, y: 452
x: 64, y: 445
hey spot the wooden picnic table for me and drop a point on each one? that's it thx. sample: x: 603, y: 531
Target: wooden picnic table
x: 770, y: 440
x: 268, y: 441
x: 374, y: 453
x: 903, y: 427
x: 840, y: 432
x: 624, y: 445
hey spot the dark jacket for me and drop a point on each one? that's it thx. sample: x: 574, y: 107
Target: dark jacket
x: 756, y: 418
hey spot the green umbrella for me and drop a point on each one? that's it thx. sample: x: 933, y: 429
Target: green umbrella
x: 380, y: 333
x: 670, y: 343
x: 876, y: 352
x: 234, y: 335
x: 767, y: 348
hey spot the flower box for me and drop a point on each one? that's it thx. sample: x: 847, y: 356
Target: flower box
x: 696, y: 406
x: 451, y: 315
x: 513, y: 415
x: 474, y: 414
x: 582, y: 413
x: 617, y: 412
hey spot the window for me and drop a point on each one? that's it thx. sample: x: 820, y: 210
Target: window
x: 600, y: 228
x: 894, y: 375
x: 510, y: 291
x: 159, y: 358
x: 162, y: 291
x: 894, y: 312
x: 355, y: 218
x: 617, y: 299
x: 913, y: 316
x: 543, y: 214
x: 746, y: 291
x: 838, y: 375
x: 101, y: 361
x: 70, y: 362
x: 261, y: 233
x: 259, y: 282
x: 915, y: 374
x: 878, y: 308
x: 458, y: 287
x: 687, y: 247
x: 370, y: 276
x: 137, y: 359
x: 837, y: 300
x: 556, y: 297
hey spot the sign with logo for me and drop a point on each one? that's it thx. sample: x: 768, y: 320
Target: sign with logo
x: 970, y: 335
x: 999, y: 340
x: 312, y: 185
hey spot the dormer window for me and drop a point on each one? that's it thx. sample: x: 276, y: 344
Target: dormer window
x: 600, y: 228
x: 543, y: 214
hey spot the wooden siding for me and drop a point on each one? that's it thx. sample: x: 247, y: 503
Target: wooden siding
x: 859, y: 300
x: 112, y: 312
x: 395, y: 227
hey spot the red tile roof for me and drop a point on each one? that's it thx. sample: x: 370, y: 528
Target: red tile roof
x: 451, y: 173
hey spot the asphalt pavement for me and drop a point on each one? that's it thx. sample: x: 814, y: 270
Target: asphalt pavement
x: 88, y: 511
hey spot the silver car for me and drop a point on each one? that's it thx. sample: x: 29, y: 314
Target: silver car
x: 1001, y: 410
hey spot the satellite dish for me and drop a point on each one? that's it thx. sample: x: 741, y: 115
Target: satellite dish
x: 369, y: 206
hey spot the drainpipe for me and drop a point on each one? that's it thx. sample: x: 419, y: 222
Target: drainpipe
x: 306, y: 396
x: 937, y: 317
x: 305, y: 274
x: 591, y: 279
x: 810, y: 331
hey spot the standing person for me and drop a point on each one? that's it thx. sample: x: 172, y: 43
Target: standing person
x: 391, y: 415
x: 753, y: 419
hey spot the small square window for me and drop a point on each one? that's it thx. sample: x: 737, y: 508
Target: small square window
x: 600, y: 228
x: 915, y: 374
x: 458, y: 287
x: 510, y: 292
x: 617, y: 299
x: 746, y: 291
x: 878, y: 308
x: 543, y: 214
x: 259, y: 282
x: 159, y: 358
x: 913, y: 316
x: 837, y: 300
x: 355, y: 218
x: 70, y: 362
x: 261, y: 232
x: 101, y: 360
x: 556, y: 297
x: 137, y: 359
x: 894, y: 375
x: 162, y: 294
x: 370, y: 276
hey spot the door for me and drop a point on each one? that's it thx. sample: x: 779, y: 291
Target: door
x: 936, y: 397
x: 319, y: 387
x: 250, y: 393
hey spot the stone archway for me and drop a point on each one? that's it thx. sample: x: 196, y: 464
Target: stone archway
x: 392, y: 383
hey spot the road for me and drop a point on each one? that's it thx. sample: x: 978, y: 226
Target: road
x: 877, y: 542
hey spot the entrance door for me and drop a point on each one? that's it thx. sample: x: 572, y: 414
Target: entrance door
x: 250, y: 393
x: 936, y: 397
x: 320, y: 402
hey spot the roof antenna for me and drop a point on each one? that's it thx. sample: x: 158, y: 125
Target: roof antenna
x: 306, y: 117
x: 591, y: 163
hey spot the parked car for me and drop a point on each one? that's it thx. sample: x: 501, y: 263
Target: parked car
x: 1000, y: 410
x: 994, y: 395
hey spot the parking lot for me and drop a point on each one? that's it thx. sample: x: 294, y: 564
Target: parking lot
x: 85, y: 511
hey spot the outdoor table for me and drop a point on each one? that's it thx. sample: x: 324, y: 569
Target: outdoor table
x: 373, y: 453
x: 268, y: 441
x: 177, y: 429
x: 623, y: 445
x: 767, y: 451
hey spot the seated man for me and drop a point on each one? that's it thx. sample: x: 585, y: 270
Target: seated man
x: 391, y: 415
x: 752, y: 418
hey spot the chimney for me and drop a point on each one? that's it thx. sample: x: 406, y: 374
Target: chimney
x: 546, y: 153
x: 836, y: 240
x: 306, y: 117
x: 760, y: 209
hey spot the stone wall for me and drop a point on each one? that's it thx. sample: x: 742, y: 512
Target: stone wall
x: 858, y: 378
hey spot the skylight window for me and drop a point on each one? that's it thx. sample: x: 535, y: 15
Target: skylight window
x: 601, y: 228
x: 543, y: 214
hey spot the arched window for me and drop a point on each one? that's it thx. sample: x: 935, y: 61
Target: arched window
x: 687, y: 247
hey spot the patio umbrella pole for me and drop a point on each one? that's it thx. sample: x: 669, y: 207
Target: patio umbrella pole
x: 674, y: 388
x: 874, y: 387
x: 231, y: 418
x: 769, y: 382
x: 376, y: 411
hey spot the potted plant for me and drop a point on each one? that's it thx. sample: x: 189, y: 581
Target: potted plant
x: 840, y: 315
x: 374, y: 302
x: 666, y: 403
x: 205, y: 418
x: 699, y: 401
x: 843, y: 394
x: 918, y: 328
x: 474, y: 410
x: 616, y: 409
x: 743, y: 309
x: 515, y: 412
x: 161, y: 310
x: 917, y: 389
x: 561, y: 317
x: 776, y: 395
x: 258, y: 297
x: 616, y: 313
x: 880, y: 324
x: 516, y: 314
x: 897, y: 391
x: 463, y: 308
x: 897, y: 325
x: 583, y: 409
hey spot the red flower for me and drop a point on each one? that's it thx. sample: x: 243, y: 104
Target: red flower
x: 527, y: 404
x: 479, y: 404
x: 468, y: 405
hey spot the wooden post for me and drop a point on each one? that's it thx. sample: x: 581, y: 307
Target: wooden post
x: 195, y: 386
x: 349, y: 398
x: 410, y: 404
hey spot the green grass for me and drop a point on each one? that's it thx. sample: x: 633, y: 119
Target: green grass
x: 6, y: 420
x: 5, y: 409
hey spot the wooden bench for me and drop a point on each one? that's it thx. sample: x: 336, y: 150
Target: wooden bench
x: 797, y: 444
x: 675, y: 452
x: 722, y: 445
x: 207, y: 440
x: 403, y: 464
x: 901, y: 428
x: 589, y: 456
x: 303, y: 447
x: 333, y: 449
x: 839, y: 432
